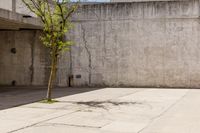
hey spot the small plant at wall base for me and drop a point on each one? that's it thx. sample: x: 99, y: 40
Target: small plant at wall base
x: 55, y: 16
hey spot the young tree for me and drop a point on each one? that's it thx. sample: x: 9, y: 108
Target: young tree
x: 55, y: 16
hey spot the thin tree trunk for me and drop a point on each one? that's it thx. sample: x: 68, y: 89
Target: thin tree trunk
x: 52, y: 76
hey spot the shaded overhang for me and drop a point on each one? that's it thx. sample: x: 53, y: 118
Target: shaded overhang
x: 14, y: 21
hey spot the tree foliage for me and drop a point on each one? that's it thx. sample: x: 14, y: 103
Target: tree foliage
x: 55, y: 16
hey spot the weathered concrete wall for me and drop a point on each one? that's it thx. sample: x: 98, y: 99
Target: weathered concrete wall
x: 30, y: 65
x: 149, y: 44
x: 15, y: 6
x: 6, y: 4
x: 140, y: 0
x: 22, y: 9
x: 14, y: 17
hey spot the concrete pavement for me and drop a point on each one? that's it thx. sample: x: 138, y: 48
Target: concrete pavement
x: 109, y: 110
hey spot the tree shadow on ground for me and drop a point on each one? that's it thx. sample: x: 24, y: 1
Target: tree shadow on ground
x: 105, y: 104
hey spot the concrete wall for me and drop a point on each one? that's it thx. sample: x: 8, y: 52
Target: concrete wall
x: 15, y: 6
x: 30, y: 65
x: 22, y: 9
x: 151, y: 44
x: 140, y: 0
x: 6, y: 4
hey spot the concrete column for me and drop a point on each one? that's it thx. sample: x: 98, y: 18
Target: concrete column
x: 14, y: 5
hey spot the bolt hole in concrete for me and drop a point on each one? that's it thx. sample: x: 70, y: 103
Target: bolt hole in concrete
x: 13, y: 83
x: 13, y: 50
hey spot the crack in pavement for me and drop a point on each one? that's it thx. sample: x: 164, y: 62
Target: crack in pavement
x: 32, y: 125
x: 72, y: 125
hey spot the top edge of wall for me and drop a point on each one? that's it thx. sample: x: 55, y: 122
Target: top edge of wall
x: 130, y: 1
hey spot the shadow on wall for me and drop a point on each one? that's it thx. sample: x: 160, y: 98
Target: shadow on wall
x: 16, y: 96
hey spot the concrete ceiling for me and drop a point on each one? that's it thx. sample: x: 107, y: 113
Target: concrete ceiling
x: 12, y: 25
